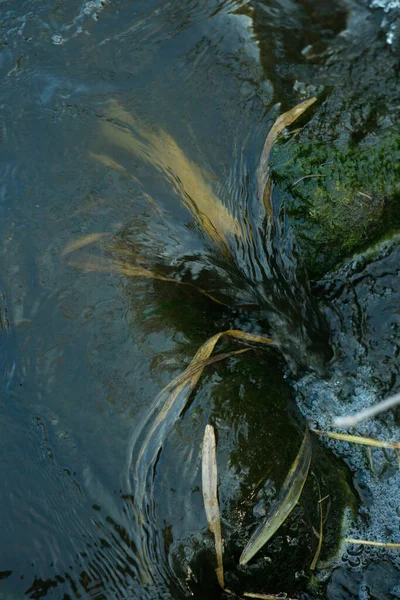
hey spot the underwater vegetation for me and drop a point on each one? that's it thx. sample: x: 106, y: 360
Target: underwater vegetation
x: 151, y: 431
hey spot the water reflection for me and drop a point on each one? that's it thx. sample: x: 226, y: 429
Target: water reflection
x: 83, y: 354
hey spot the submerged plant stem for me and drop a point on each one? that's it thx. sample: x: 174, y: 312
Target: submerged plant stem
x: 367, y: 413
x: 107, y: 265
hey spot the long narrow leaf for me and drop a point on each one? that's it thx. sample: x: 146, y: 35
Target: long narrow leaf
x: 265, y: 596
x: 320, y: 535
x: 370, y: 543
x: 284, y: 120
x: 284, y: 503
x: 82, y: 242
x: 189, y: 181
x: 121, y: 267
x: 209, y: 483
x: 356, y: 439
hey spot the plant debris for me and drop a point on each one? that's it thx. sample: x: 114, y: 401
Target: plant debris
x: 170, y: 402
x: 284, y: 120
x: 355, y: 439
x: 370, y: 543
x: 209, y: 482
x: 285, y: 501
x: 367, y: 413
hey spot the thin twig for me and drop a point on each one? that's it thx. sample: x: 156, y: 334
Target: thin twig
x: 305, y: 177
x: 320, y: 537
x: 367, y: 413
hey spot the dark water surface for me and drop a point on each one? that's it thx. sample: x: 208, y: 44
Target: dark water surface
x: 83, y: 353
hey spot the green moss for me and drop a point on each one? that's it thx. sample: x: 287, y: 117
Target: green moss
x: 339, y: 199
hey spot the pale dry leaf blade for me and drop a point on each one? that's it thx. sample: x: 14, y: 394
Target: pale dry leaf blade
x: 356, y: 439
x: 121, y: 267
x: 82, y: 242
x: 159, y: 149
x: 285, y: 502
x: 394, y: 546
x: 210, y: 496
x: 265, y: 596
x: 319, y: 535
x: 367, y: 413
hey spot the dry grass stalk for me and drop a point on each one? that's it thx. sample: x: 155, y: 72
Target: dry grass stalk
x: 120, y: 267
x: 370, y: 543
x: 171, y: 401
x: 160, y: 150
x: 265, y: 596
x: 355, y: 439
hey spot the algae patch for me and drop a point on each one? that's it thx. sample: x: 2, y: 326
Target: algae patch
x: 339, y: 198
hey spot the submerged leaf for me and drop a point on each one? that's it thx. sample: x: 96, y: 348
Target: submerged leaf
x: 355, y: 439
x: 189, y: 181
x: 83, y: 241
x: 209, y: 483
x: 169, y: 404
x: 284, y: 120
x: 284, y: 503
x: 121, y: 267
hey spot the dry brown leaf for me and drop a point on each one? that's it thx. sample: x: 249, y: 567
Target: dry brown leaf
x: 162, y: 151
x: 171, y: 401
x: 265, y: 596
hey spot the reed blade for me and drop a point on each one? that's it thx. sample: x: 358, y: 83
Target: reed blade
x: 284, y: 120
x: 210, y: 496
x: 356, y: 439
x: 190, y: 182
x: 284, y: 503
x: 170, y: 403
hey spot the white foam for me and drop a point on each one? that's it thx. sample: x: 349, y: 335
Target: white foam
x: 387, y: 5
x: 379, y: 516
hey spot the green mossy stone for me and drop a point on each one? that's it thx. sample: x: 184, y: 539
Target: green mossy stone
x: 340, y: 199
